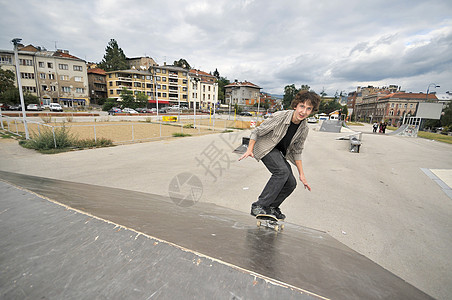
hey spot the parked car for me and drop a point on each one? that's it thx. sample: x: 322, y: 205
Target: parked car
x: 15, y: 107
x: 246, y: 113
x: 114, y: 110
x: 312, y: 120
x: 45, y: 106
x: 55, y: 107
x: 33, y: 107
x: 129, y: 110
x: 4, y: 106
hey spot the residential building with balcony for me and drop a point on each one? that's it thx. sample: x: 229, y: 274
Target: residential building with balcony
x: 203, y: 90
x: 52, y: 76
x: 97, y: 82
x: 171, y: 84
x: 134, y: 80
x: 242, y: 93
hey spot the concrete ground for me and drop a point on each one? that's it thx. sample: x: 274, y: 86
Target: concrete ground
x: 379, y: 202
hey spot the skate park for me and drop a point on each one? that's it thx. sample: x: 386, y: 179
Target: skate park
x: 102, y: 221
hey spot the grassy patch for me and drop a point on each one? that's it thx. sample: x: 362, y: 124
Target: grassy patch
x: 179, y: 134
x: 354, y: 124
x: 435, y: 136
x: 7, y: 135
x: 62, y: 141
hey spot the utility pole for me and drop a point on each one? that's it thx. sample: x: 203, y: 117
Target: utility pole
x: 16, y: 41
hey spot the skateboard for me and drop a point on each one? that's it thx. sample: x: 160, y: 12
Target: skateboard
x: 269, y: 221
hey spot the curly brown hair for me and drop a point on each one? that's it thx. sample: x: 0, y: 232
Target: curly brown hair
x: 304, y: 96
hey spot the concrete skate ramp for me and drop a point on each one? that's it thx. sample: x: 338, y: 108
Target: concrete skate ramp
x: 309, y: 263
x: 331, y: 126
x: 399, y: 130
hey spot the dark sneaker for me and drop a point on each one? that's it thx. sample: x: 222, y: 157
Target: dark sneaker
x: 277, y: 213
x: 257, y: 210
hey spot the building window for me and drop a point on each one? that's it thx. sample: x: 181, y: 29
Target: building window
x: 148, y: 77
x: 64, y: 77
x: 50, y: 65
x: 66, y: 89
x: 63, y: 66
x: 78, y: 68
x: 80, y: 90
x: 25, y: 62
x: 78, y: 78
x: 41, y: 64
x: 31, y: 89
x: 5, y: 59
x: 42, y: 75
x: 51, y: 76
x: 44, y: 87
x: 27, y: 75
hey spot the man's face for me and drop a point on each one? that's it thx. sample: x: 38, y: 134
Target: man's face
x: 302, y: 111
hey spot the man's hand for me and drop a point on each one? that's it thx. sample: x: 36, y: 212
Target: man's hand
x: 305, y: 182
x: 246, y: 154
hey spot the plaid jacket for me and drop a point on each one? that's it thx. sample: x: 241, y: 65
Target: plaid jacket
x: 271, y: 132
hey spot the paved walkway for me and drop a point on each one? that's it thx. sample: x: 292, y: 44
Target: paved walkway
x: 378, y: 202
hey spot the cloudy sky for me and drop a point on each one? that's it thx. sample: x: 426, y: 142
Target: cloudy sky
x: 326, y: 44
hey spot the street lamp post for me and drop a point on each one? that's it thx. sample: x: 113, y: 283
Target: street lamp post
x: 428, y: 89
x: 16, y: 41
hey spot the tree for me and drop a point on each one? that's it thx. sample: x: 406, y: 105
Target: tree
x: 114, y: 58
x: 182, y: 63
x: 141, y: 100
x: 216, y: 74
x: 305, y: 87
x: 6, y: 81
x: 222, y: 82
x: 128, y: 100
x: 11, y: 96
x: 289, y: 94
x: 446, y: 116
x: 109, y: 104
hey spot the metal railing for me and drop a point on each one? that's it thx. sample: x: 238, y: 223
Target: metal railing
x: 122, y: 132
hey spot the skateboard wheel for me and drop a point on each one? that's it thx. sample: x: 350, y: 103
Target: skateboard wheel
x: 282, y: 226
x: 276, y: 227
x: 258, y: 223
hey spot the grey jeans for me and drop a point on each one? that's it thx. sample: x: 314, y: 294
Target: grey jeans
x: 282, y: 182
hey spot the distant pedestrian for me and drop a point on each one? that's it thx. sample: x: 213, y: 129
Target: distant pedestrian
x: 384, y: 125
x: 375, y: 127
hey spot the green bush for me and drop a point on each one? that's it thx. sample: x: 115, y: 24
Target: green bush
x: 63, y: 141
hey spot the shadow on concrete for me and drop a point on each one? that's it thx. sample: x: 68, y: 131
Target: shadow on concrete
x: 305, y: 260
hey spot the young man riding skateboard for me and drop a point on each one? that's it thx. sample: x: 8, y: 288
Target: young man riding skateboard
x: 277, y: 140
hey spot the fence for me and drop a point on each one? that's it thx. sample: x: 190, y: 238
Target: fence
x: 120, y: 132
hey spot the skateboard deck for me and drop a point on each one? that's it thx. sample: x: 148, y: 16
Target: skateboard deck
x: 269, y: 221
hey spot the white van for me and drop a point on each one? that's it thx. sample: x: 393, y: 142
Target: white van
x: 55, y: 107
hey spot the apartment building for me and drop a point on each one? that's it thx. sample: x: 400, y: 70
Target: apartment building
x: 52, y: 76
x: 134, y: 80
x: 203, y: 89
x: 242, y: 93
x: 97, y: 82
x: 171, y: 84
